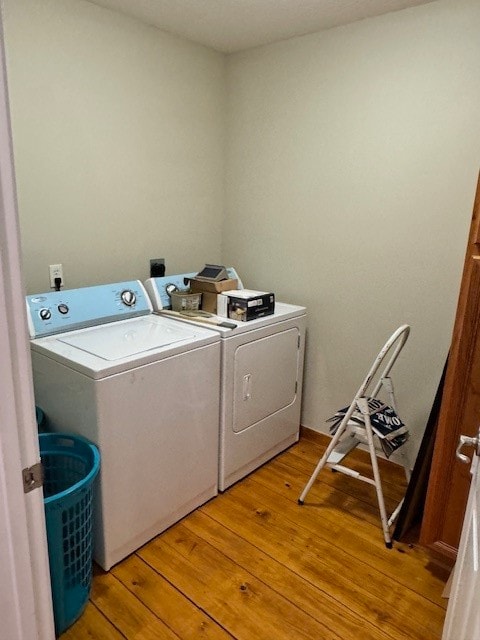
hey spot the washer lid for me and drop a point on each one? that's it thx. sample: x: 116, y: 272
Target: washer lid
x: 121, y: 340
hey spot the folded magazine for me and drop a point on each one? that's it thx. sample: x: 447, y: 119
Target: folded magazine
x: 385, y: 422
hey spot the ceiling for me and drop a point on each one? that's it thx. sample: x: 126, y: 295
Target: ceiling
x: 234, y: 25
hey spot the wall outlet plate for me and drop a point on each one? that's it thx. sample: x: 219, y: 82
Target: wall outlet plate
x: 56, y: 271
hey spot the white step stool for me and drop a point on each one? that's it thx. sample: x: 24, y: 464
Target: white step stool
x: 356, y: 428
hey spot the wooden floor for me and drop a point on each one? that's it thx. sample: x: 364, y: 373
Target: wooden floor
x: 252, y: 564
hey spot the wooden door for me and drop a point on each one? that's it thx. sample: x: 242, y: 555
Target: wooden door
x: 449, y: 480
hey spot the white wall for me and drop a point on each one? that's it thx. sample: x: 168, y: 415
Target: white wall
x: 119, y: 140
x: 353, y: 156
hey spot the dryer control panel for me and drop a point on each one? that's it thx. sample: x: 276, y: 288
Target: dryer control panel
x: 58, y: 311
x: 157, y: 287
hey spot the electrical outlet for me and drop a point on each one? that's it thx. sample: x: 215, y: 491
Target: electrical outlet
x: 56, y: 271
x: 157, y: 267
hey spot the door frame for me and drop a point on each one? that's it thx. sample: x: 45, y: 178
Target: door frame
x: 25, y: 596
x: 449, y: 483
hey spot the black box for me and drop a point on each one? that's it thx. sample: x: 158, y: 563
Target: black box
x: 244, y: 305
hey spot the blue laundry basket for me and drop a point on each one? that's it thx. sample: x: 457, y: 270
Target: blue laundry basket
x: 70, y: 466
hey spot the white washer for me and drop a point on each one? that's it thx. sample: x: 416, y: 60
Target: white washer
x: 145, y: 389
x: 261, y: 383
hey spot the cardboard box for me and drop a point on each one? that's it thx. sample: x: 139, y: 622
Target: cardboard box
x: 245, y: 304
x: 210, y: 290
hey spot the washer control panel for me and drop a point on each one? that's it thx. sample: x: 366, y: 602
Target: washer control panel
x: 57, y: 311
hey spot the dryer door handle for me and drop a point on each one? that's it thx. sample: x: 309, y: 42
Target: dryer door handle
x: 247, y: 384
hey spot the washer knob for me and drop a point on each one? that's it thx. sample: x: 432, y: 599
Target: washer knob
x: 128, y: 297
x: 63, y: 308
x: 45, y: 314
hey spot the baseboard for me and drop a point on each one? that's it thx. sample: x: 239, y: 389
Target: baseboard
x: 315, y: 436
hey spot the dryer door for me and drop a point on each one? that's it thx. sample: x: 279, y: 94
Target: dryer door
x: 265, y: 377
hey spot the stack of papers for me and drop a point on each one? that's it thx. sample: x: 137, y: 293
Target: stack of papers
x: 385, y: 422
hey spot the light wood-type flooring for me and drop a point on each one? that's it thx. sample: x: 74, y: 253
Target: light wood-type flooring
x: 252, y: 564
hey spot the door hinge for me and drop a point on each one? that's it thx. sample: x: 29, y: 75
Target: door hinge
x: 296, y: 387
x: 32, y: 477
x: 298, y: 342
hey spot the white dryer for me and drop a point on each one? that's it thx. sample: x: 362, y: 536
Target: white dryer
x: 261, y: 383
x: 145, y: 389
